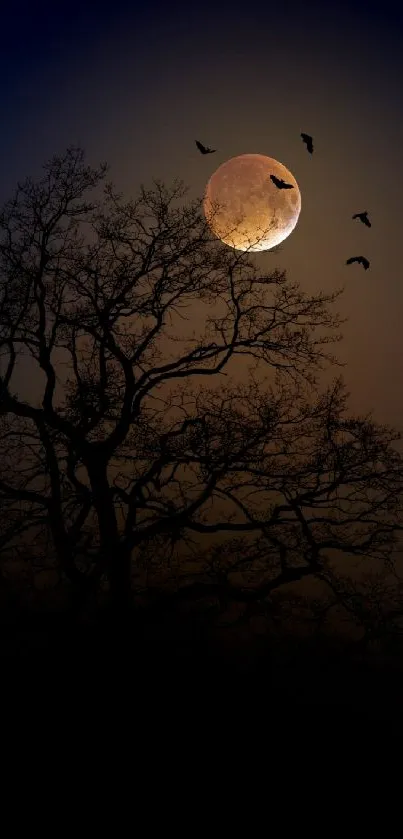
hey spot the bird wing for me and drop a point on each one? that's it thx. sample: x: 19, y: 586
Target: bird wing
x: 200, y: 146
x: 351, y: 260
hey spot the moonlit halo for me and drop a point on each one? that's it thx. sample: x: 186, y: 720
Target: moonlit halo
x: 245, y: 209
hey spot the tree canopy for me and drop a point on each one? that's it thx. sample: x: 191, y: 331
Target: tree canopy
x: 142, y: 437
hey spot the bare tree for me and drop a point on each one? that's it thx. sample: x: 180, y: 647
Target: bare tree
x: 126, y: 450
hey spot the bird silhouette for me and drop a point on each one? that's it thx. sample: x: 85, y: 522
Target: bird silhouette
x: 308, y: 140
x: 204, y: 149
x: 361, y: 259
x: 363, y: 217
x: 280, y: 184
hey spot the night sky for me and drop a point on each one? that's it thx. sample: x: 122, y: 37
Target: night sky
x: 136, y: 88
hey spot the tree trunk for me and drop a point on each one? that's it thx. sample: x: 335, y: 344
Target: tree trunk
x: 119, y: 576
x: 116, y: 562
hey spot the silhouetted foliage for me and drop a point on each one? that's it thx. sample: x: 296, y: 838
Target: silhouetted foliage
x: 137, y: 444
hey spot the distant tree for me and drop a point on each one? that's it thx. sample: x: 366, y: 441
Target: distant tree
x: 126, y: 451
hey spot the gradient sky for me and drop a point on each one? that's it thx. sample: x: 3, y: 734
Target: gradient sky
x: 137, y: 87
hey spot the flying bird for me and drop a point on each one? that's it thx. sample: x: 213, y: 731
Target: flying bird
x: 308, y: 140
x: 204, y: 149
x: 363, y: 217
x: 361, y: 259
x: 280, y: 184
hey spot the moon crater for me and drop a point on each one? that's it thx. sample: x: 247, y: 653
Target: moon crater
x: 245, y: 209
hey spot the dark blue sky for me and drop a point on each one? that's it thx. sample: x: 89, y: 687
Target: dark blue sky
x: 47, y: 48
x: 135, y: 84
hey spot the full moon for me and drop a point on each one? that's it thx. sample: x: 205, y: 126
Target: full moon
x: 245, y: 209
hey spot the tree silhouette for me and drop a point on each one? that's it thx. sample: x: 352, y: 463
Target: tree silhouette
x: 137, y: 442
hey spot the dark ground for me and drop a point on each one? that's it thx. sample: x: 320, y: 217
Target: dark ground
x: 149, y: 667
